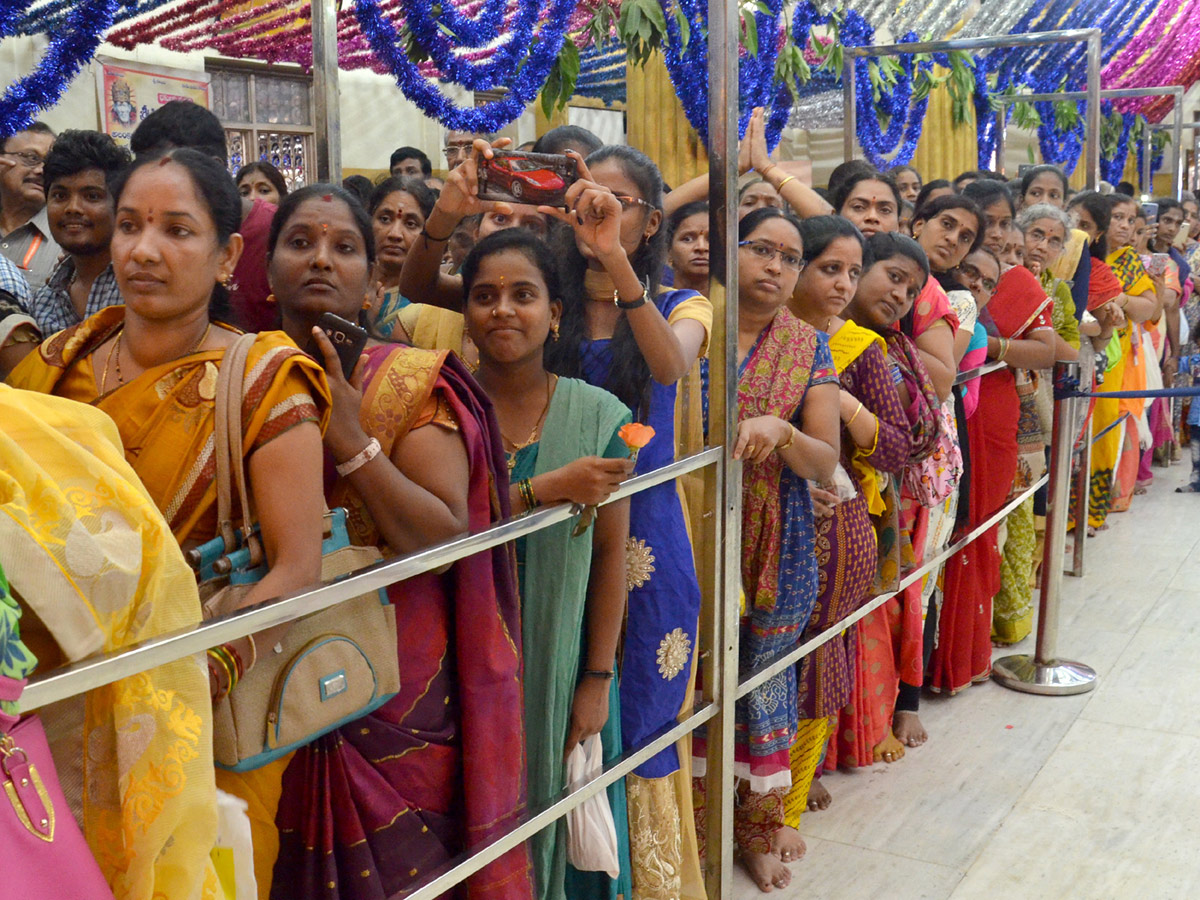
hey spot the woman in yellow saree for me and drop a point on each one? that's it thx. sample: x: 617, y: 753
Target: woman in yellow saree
x: 1140, y: 304
x: 94, y: 568
x: 152, y: 366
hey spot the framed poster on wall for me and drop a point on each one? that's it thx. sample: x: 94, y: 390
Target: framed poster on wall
x: 129, y: 91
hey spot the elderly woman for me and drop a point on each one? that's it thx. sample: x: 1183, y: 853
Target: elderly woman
x: 1045, y: 229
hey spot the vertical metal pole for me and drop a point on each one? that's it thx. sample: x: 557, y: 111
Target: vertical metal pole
x: 1000, y: 123
x: 849, y: 101
x: 1177, y: 145
x: 1195, y: 159
x: 326, y: 114
x: 1083, y: 486
x: 1147, y: 171
x: 1044, y: 673
x: 1093, y: 115
x: 721, y: 678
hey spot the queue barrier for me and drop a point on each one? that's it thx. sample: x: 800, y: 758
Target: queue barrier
x: 103, y: 669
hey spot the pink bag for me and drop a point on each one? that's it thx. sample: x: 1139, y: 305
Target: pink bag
x: 45, y: 854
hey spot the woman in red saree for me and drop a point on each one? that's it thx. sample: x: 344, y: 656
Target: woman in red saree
x: 1020, y: 332
x: 412, y: 454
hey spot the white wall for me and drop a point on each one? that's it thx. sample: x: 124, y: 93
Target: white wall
x: 376, y: 117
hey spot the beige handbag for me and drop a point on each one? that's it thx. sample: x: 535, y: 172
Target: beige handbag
x: 330, y: 668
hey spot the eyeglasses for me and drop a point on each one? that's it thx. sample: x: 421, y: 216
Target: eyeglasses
x: 1039, y: 237
x: 628, y: 202
x: 767, y: 252
x: 455, y: 150
x: 971, y: 273
x: 28, y: 158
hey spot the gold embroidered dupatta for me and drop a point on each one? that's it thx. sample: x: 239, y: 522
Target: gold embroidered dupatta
x: 85, y: 548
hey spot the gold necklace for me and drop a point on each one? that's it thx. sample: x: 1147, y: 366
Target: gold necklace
x: 115, y: 353
x: 533, y: 435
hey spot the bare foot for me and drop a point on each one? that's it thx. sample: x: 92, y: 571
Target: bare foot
x: 889, y: 749
x: 766, y: 870
x: 818, y: 797
x: 788, y: 845
x: 907, y: 727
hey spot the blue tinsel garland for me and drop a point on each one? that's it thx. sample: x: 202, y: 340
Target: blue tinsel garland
x: 476, y: 76
x: 522, y: 88
x: 70, y: 49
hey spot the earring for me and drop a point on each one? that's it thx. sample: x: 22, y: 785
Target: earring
x: 271, y: 298
x: 554, y: 331
x: 227, y: 282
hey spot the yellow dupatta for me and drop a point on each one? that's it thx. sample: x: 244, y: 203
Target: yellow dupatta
x: 1068, y: 261
x: 87, y: 550
x: 848, y: 344
x: 165, y: 416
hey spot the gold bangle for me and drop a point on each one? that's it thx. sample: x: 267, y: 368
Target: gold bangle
x: 791, y: 439
x: 779, y: 187
x: 855, y: 416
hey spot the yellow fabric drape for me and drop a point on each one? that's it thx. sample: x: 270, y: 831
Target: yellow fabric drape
x: 86, y: 549
x: 943, y: 150
x: 657, y: 125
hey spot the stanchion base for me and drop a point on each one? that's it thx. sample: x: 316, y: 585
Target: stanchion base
x: 1022, y: 673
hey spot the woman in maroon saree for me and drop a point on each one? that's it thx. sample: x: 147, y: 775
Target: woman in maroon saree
x: 375, y: 808
x: 1020, y: 333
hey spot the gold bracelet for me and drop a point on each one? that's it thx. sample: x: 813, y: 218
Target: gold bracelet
x: 779, y: 187
x: 791, y: 439
x: 855, y: 416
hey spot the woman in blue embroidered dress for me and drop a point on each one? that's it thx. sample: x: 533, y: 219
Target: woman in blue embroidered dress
x: 620, y: 333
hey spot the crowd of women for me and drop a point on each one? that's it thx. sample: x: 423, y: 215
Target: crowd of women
x: 510, y: 348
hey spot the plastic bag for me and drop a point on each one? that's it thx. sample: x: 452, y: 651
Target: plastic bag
x: 591, y: 833
x: 233, y: 854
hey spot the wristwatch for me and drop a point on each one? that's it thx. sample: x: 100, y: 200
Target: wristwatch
x: 632, y: 304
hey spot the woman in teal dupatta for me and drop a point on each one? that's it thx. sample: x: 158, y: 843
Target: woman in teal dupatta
x: 563, y: 444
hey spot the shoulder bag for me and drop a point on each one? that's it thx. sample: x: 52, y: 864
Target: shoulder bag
x: 332, y: 667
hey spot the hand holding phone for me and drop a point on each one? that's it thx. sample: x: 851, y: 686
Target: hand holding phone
x: 347, y: 338
x: 537, y: 179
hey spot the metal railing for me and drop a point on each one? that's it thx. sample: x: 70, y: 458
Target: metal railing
x: 1089, y: 36
x: 1174, y: 91
x: 97, y: 671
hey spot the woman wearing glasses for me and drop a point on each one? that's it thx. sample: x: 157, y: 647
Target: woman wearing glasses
x: 621, y: 333
x: 788, y: 431
x: 875, y: 446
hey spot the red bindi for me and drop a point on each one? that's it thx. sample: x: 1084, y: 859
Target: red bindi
x: 328, y: 198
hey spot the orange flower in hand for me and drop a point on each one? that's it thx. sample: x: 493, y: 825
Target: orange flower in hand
x: 635, y: 435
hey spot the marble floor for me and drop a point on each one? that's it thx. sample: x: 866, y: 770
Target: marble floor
x: 1091, y: 796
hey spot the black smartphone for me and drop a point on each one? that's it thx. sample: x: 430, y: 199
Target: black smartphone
x: 539, y: 179
x: 347, y: 339
x: 1023, y: 168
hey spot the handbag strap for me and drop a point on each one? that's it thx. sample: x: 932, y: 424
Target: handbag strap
x: 227, y: 428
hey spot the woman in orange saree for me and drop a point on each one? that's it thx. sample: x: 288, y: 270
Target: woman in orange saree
x: 152, y: 366
x: 373, y: 808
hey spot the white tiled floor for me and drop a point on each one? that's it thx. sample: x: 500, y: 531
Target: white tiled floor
x: 1015, y: 795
